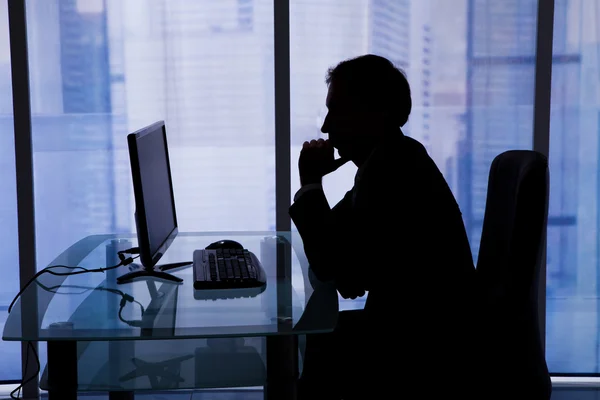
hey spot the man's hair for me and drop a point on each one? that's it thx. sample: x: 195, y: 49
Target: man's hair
x: 375, y: 83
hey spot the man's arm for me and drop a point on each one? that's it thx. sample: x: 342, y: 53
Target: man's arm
x: 324, y: 231
x: 306, y: 188
x: 329, y: 236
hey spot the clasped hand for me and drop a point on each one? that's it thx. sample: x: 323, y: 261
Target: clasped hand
x: 317, y: 160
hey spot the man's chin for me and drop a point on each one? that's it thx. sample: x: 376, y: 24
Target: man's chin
x: 343, y: 153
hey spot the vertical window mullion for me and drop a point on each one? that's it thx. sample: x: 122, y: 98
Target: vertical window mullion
x: 541, y: 116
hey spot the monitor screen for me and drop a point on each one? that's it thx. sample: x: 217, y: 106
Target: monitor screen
x: 155, y: 216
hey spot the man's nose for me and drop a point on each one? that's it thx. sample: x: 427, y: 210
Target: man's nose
x: 325, y: 126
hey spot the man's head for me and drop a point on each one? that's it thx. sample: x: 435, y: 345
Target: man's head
x: 368, y: 97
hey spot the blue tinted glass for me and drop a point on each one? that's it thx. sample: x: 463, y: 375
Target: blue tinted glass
x: 572, y: 287
x: 471, y: 68
x: 10, y: 362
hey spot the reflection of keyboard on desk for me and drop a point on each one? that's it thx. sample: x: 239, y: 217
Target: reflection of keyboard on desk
x: 227, y: 269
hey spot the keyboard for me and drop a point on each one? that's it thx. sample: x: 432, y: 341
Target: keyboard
x: 227, y: 269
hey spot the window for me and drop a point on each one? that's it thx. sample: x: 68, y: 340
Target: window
x: 572, y: 285
x: 102, y: 69
x: 10, y: 367
x: 500, y: 47
x: 470, y: 117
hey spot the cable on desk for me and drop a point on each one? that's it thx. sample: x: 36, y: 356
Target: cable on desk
x: 50, y: 270
x: 16, y: 393
x: 125, y: 298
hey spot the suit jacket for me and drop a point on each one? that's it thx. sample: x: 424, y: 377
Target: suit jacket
x: 399, y: 234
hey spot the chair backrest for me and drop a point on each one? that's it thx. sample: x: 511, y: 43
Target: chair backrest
x: 508, y: 271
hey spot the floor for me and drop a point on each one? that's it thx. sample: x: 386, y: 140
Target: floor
x: 247, y: 394
x: 559, y: 393
x: 570, y: 393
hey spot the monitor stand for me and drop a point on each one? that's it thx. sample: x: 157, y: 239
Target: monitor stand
x: 139, y: 271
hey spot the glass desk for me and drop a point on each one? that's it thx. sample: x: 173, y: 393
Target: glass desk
x: 99, y: 339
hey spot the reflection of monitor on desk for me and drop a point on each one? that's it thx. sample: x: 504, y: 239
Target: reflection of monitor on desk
x: 155, y: 217
x: 159, y: 318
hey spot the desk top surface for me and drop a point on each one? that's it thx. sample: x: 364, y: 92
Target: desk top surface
x: 87, y: 307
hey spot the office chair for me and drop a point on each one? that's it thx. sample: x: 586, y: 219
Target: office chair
x: 513, y: 363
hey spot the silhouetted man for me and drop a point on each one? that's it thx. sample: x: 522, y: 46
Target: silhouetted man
x: 398, y: 234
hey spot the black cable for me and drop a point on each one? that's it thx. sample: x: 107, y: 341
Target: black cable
x: 17, y: 390
x: 125, y: 298
x: 133, y: 250
x: 50, y: 270
x: 134, y: 323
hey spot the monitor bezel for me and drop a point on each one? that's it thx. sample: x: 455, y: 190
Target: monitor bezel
x: 147, y: 259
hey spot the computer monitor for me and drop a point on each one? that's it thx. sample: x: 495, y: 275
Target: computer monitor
x: 155, y: 215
